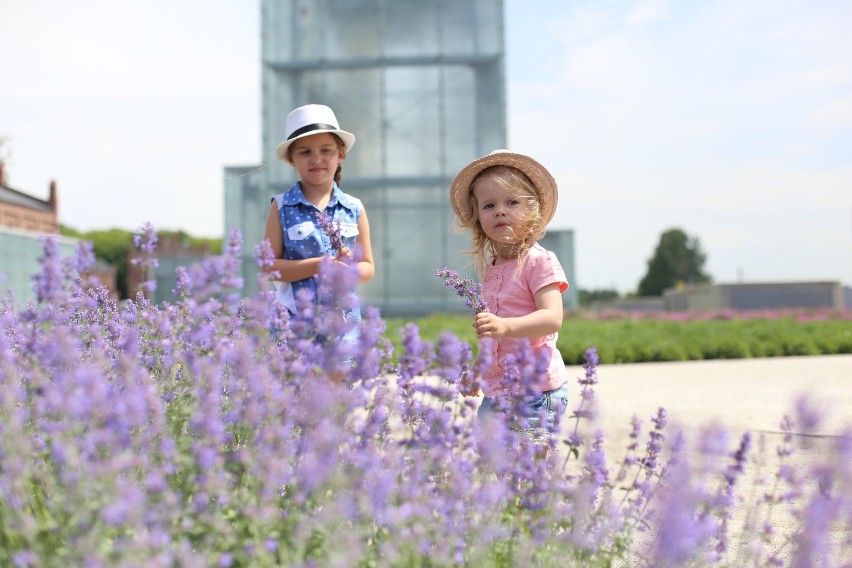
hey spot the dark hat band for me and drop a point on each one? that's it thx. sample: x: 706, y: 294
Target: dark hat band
x: 311, y: 127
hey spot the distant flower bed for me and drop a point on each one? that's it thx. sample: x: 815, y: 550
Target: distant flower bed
x: 221, y: 431
x: 797, y: 314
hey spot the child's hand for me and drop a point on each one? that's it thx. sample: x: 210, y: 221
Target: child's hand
x: 467, y: 385
x: 345, y: 255
x: 489, y: 325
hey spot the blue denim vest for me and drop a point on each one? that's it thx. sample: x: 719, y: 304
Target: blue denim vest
x: 303, y: 238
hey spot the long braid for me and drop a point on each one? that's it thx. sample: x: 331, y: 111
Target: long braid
x: 338, y: 173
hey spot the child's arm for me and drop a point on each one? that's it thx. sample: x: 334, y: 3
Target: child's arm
x: 294, y: 270
x: 366, y: 267
x: 289, y: 270
x: 546, y: 319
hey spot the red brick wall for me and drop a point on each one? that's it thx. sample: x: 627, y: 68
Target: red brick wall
x: 18, y: 217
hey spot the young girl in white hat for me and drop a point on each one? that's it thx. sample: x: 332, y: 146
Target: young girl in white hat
x: 316, y: 146
x: 506, y: 200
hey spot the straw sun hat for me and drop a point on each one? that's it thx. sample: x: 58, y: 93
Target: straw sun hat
x: 308, y: 120
x: 543, y: 182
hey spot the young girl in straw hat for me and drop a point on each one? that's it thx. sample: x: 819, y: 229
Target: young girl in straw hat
x: 316, y: 146
x: 506, y: 200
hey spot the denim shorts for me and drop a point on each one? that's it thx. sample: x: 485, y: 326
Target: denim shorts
x: 549, y: 405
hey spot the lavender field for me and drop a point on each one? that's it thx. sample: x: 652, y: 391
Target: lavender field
x: 217, y: 430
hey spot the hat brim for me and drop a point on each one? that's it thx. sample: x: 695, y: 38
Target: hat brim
x: 543, y: 182
x: 347, y: 137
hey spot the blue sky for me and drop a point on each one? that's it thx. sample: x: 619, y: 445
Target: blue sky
x: 731, y: 120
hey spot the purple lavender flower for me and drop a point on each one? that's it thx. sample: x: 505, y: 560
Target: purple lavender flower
x: 587, y: 394
x: 655, y: 441
x: 85, y: 257
x: 683, y: 533
x: 736, y: 469
x: 417, y: 354
x: 204, y: 440
x: 231, y: 277
x: 596, y: 468
x: 630, y: 459
x: 48, y: 285
x: 809, y: 417
x: 263, y: 254
x: 183, y: 283
x: 145, y: 240
x: 374, y: 350
x: 466, y: 288
x: 25, y: 559
x: 332, y: 229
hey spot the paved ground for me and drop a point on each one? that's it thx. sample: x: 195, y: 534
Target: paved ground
x: 744, y: 395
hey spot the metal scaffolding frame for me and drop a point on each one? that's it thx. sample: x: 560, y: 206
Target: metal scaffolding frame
x: 421, y: 85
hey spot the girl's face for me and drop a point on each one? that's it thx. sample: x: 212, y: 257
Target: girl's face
x: 499, y: 210
x: 316, y: 159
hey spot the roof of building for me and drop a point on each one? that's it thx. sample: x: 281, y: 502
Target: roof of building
x: 15, y: 197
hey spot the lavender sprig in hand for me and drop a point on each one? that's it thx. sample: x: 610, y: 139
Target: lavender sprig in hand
x: 332, y: 228
x: 466, y: 288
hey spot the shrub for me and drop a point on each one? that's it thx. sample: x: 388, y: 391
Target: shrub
x: 633, y: 340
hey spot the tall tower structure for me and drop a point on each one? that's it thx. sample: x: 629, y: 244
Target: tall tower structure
x: 421, y: 85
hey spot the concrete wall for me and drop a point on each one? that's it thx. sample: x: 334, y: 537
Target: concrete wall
x: 561, y: 242
x: 756, y: 296
x: 20, y: 252
x: 631, y: 305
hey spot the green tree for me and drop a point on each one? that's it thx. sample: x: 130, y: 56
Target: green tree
x: 677, y: 258
x: 214, y: 245
x: 112, y: 246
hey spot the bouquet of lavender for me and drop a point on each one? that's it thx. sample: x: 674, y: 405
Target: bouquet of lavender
x: 332, y: 229
x: 465, y: 287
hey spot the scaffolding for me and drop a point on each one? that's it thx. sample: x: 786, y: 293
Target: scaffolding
x: 421, y: 85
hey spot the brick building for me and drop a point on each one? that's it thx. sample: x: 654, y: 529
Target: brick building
x: 21, y: 211
x: 24, y: 219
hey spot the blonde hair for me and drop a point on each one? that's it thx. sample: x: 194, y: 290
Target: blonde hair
x: 338, y: 173
x: 530, y: 228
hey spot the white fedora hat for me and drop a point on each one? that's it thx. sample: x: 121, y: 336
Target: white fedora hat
x: 308, y: 120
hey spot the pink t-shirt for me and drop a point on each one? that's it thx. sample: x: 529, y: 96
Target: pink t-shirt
x: 510, y: 292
